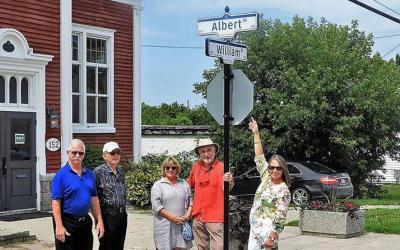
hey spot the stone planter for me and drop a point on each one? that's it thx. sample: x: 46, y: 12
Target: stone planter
x: 331, y: 224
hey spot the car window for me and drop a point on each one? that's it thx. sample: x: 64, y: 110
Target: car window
x: 253, y: 172
x: 318, y: 168
x: 293, y: 170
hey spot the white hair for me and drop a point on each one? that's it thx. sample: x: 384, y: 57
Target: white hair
x: 77, y: 141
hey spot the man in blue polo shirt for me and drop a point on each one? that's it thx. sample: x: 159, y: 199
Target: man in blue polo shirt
x: 73, y: 193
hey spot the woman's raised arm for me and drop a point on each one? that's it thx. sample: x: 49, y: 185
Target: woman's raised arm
x: 258, y: 149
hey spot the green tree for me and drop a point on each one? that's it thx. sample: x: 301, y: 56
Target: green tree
x: 320, y: 95
x: 175, y: 114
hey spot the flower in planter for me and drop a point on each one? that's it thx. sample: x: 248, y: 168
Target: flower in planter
x: 342, y: 219
x: 341, y: 206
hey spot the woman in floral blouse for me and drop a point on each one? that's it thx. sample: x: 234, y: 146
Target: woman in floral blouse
x: 272, y: 198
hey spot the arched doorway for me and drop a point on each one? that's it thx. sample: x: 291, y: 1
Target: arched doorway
x: 22, y: 121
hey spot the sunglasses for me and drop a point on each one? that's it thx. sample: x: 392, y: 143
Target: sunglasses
x: 171, y: 168
x: 115, y: 152
x: 274, y: 167
x: 77, y: 153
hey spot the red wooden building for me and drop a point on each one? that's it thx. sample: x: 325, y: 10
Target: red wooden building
x: 68, y: 69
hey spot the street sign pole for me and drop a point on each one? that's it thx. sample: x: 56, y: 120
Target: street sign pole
x: 227, y: 121
x: 226, y: 26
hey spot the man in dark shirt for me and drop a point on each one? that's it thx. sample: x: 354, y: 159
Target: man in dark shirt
x: 73, y: 192
x: 110, y: 182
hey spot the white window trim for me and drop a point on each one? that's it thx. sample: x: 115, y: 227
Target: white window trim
x: 31, y: 91
x: 102, y: 33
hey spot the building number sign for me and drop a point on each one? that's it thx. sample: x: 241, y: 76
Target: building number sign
x: 53, y: 144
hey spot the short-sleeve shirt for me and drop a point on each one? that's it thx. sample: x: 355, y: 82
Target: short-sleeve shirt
x: 208, y: 202
x: 111, y: 188
x: 75, y: 192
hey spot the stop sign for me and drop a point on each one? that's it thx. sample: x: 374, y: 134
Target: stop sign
x: 241, y: 96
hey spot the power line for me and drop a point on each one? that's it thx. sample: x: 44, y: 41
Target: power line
x: 394, y: 19
x: 386, y: 7
x: 378, y: 37
x: 198, y: 47
x: 398, y: 45
x: 171, y: 47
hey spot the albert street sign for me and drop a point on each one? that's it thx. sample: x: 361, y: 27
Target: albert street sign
x: 227, y: 25
x: 228, y: 51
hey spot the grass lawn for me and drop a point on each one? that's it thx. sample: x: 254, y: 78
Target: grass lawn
x: 392, y: 197
x: 293, y: 223
x: 383, y: 221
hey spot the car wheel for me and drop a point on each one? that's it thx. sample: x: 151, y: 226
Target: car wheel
x: 301, y: 196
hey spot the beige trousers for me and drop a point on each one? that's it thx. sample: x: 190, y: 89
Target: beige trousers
x: 208, y: 236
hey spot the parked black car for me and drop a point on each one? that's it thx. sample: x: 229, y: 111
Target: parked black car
x: 310, y: 181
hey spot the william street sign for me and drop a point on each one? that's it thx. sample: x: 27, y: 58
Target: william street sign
x: 227, y: 25
x: 228, y: 51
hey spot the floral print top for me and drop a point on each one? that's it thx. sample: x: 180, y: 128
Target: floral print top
x: 270, y: 206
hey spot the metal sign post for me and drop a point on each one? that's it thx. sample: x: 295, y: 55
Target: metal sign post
x: 227, y: 121
x: 226, y: 27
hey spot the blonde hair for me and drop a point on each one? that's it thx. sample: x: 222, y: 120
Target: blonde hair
x: 170, y: 162
x: 282, y: 163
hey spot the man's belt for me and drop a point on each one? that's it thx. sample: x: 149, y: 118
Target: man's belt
x: 113, y: 210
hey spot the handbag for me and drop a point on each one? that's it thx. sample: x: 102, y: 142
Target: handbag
x: 187, y: 231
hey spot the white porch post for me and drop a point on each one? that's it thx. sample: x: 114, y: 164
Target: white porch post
x: 137, y: 80
x: 66, y: 76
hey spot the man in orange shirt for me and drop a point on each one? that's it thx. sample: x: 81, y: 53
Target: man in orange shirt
x: 207, y: 179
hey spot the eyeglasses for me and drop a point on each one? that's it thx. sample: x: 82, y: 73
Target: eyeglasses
x: 275, y: 167
x: 171, y: 168
x: 77, y: 153
x: 117, y: 152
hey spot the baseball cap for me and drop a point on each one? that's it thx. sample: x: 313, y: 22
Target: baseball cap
x: 110, y: 146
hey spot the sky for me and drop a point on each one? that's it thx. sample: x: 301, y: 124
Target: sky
x: 168, y: 74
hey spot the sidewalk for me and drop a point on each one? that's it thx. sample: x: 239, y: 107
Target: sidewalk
x: 140, y: 235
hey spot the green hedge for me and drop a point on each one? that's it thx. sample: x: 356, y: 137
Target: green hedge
x: 93, y: 156
x: 141, y: 176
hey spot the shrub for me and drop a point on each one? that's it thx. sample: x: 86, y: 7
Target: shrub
x: 139, y: 180
x: 93, y: 156
x: 141, y: 176
x: 239, y: 225
x: 371, y: 191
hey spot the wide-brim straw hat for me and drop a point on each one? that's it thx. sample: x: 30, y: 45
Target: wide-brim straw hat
x: 205, y: 142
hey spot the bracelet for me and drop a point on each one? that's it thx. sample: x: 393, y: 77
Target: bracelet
x: 256, y: 142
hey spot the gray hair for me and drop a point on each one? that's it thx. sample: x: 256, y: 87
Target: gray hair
x: 77, y: 141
